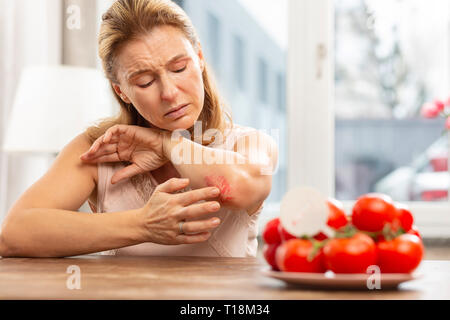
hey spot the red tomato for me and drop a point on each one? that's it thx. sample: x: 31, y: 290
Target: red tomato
x: 415, y: 231
x: 269, y: 251
x: 270, y: 233
x: 284, y: 235
x: 295, y: 255
x: 404, y: 217
x: 372, y: 211
x: 320, y: 236
x: 400, y: 255
x: 336, y: 217
x: 350, y: 255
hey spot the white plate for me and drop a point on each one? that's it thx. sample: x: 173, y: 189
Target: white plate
x: 331, y: 280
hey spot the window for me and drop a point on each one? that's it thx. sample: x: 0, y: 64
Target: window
x: 239, y: 63
x: 385, y: 72
x: 179, y: 2
x: 281, y: 93
x: 214, y: 40
x: 354, y: 122
x: 262, y: 81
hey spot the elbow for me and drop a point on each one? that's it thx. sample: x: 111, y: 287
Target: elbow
x: 249, y: 192
x: 5, y: 250
x: 10, y: 236
x: 253, y: 197
x: 15, y: 241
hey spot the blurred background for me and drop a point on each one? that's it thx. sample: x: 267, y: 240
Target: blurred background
x: 389, y: 57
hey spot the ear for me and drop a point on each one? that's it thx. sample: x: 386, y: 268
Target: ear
x: 119, y: 92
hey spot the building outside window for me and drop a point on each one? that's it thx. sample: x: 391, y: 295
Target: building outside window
x: 390, y: 59
x: 281, y: 92
x: 214, y: 39
x: 356, y: 88
x: 239, y: 62
x: 262, y: 81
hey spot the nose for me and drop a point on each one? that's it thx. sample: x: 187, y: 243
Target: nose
x: 169, y: 89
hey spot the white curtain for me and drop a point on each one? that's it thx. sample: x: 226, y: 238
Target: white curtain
x: 30, y: 34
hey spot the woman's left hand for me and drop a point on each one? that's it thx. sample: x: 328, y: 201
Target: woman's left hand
x: 141, y: 146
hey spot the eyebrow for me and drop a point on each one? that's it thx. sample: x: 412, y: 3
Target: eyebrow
x: 136, y: 73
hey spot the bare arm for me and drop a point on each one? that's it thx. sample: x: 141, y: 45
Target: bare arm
x: 44, y: 221
x: 243, y: 175
x: 41, y: 232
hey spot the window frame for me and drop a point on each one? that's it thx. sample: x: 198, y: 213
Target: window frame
x: 310, y: 73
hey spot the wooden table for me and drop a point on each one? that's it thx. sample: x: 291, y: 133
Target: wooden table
x: 185, y: 278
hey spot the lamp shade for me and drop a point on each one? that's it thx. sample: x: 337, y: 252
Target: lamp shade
x: 53, y: 104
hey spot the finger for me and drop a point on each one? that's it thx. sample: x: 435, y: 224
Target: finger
x: 97, y: 144
x: 94, y: 147
x: 126, y: 172
x: 172, y: 185
x: 196, y: 195
x: 102, y: 151
x: 188, y: 239
x: 111, y: 137
x: 196, y: 210
x: 116, y: 130
x: 114, y: 157
x: 194, y: 227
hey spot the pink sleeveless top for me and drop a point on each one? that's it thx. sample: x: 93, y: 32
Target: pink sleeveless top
x: 234, y: 237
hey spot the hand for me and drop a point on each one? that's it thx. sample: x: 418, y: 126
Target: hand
x: 164, y: 211
x: 141, y: 146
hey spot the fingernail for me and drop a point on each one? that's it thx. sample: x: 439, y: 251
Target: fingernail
x: 214, y: 206
x: 216, y: 221
x: 215, y: 192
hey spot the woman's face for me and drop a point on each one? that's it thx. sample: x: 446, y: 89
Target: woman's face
x: 158, y: 74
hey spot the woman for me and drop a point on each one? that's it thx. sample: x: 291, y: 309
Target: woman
x: 155, y: 192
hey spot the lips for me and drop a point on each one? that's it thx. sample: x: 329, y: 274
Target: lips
x: 175, y: 109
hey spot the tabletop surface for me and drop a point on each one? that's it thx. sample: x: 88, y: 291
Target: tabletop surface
x: 185, y: 278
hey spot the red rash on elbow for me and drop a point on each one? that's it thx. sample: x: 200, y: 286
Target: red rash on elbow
x: 223, y: 185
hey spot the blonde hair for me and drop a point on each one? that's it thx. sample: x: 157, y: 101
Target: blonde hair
x: 127, y: 20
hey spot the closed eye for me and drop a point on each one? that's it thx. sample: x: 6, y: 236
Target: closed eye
x: 147, y: 85
x: 180, y: 70
x: 150, y: 83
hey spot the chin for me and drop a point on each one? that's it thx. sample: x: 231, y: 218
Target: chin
x: 184, y: 123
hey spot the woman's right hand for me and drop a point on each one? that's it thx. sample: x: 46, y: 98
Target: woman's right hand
x: 164, y: 211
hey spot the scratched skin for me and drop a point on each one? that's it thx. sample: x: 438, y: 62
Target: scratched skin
x: 223, y: 185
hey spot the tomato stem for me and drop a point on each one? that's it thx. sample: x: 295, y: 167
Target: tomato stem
x: 317, y: 246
